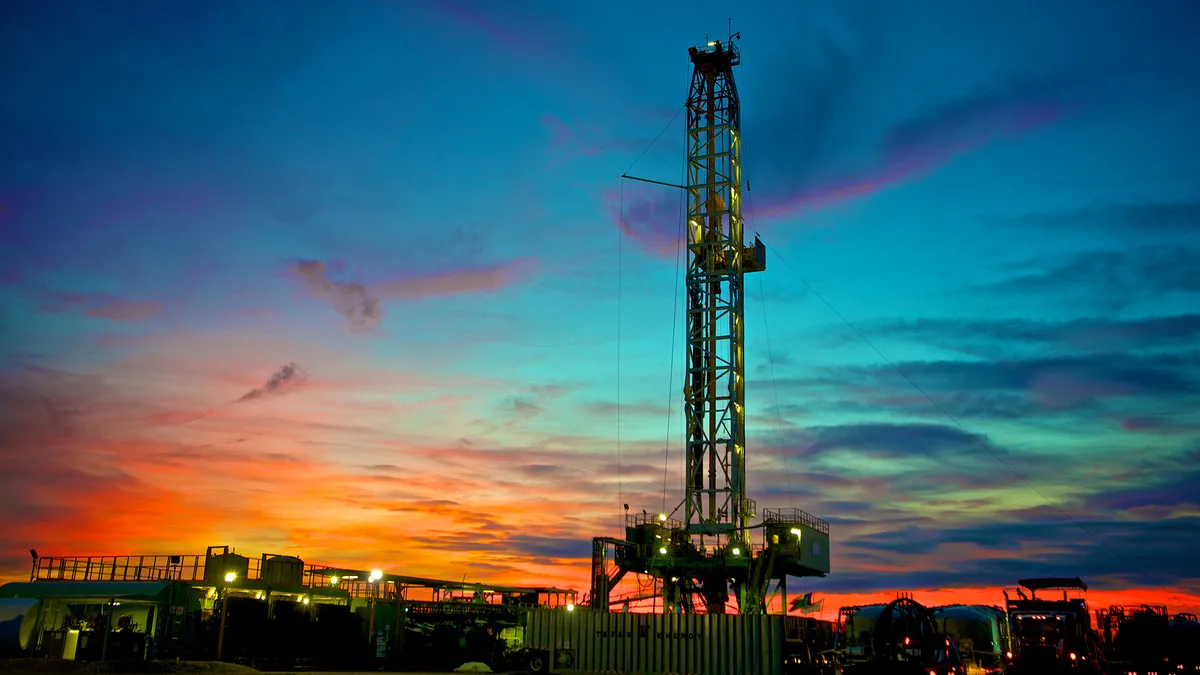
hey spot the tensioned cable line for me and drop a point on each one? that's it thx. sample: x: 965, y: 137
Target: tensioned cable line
x: 620, y: 259
x: 775, y: 387
x: 674, y: 312
x: 660, y: 134
x: 787, y: 473
x: 674, y: 327
x: 941, y: 409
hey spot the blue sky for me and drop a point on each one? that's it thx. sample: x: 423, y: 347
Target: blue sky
x: 417, y: 205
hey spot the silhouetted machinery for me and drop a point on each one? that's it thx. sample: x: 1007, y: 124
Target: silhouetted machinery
x: 1146, y: 639
x: 1051, y: 635
x: 899, y: 637
x: 1184, y: 643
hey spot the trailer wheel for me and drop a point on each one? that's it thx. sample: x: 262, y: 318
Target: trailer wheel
x: 537, y: 663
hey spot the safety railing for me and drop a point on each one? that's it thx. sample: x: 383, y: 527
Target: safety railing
x: 795, y: 516
x: 188, y: 568
x: 635, y: 519
x: 119, y: 568
x: 191, y: 569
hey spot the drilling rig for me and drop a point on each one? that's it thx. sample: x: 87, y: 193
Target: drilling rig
x: 694, y: 562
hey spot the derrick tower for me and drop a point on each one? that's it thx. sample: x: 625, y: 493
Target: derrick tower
x: 712, y: 549
x: 714, y: 382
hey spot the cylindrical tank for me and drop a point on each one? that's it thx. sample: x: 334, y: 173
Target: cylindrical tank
x: 978, y: 630
x: 860, y: 626
x: 283, y: 570
x: 217, y: 566
x: 18, y: 619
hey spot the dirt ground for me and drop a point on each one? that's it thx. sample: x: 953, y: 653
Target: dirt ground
x: 60, y: 667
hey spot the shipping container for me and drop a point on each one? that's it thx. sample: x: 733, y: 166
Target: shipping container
x: 682, y: 644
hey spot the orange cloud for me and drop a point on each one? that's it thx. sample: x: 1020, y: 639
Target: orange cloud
x: 94, y: 466
x: 479, y: 280
x: 362, y: 305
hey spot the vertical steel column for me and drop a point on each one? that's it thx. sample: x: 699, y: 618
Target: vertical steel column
x: 713, y: 384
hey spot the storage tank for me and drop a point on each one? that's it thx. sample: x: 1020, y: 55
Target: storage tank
x: 217, y: 566
x: 283, y: 570
x: 979, y: 631
x: 18, y: 619
x: 860, y: 626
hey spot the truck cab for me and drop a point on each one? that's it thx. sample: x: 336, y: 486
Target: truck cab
x: 1050, y: 634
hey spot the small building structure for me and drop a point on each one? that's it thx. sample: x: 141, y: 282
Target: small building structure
x: 97, y: 620
x: 274, y: 609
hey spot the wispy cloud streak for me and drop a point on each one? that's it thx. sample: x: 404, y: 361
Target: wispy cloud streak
x: 914, y: 148
x: 362, y: 305
x: 287, y: 378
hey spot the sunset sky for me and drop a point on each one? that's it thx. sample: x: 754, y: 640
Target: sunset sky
x: 343, y: 281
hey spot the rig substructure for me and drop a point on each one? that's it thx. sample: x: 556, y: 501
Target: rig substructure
x: 712, y: 550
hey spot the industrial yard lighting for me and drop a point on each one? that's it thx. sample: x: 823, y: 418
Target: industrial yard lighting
x: 229, y: 578
x: 663, y: 550
x: 662, y: 517
x: 376, y: 575
x: 570, y: 607
x: 796, y: 531
x: 736, y: 551
x: 333, y: 581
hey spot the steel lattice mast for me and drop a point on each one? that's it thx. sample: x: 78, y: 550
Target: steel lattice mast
x: 711, y: 552
x: 714, y: 385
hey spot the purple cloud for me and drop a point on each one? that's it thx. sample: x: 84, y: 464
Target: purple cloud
x: 101, y: 305
x: 568, y: 141
x: 907, y: 151
x: 916, y: 148
x: 649, y: 216
x: 362, y: 305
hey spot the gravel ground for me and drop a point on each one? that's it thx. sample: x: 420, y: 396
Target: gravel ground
x: 60, y: 667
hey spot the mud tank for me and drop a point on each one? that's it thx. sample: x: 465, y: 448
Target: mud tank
x: 980, y: 632
x: 895, y: 639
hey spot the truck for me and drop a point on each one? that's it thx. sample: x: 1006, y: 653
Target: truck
x: 1051, y: 634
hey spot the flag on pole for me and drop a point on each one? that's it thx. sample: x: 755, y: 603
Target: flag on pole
x: 804, y: 604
